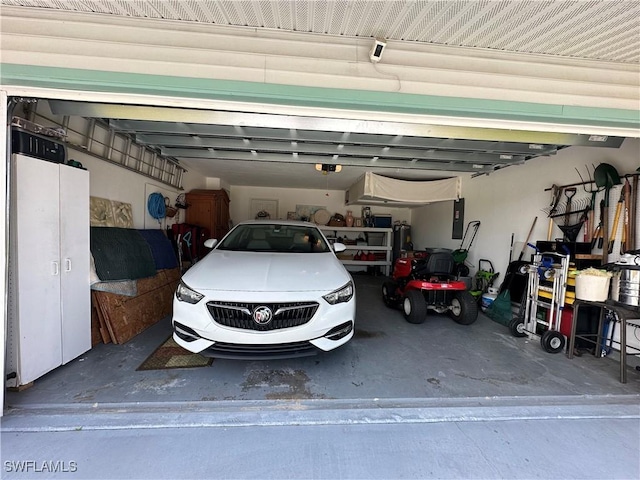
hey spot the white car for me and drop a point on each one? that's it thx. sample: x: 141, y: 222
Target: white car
x: 269, y: 289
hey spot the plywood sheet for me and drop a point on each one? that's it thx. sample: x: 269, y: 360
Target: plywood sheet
x: 127, y: 316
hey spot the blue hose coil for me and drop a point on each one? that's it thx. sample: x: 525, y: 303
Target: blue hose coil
x: 156, y: 207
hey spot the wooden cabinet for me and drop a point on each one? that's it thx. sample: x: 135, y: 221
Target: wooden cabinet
x: 49, y: 293
x: 209, y: 209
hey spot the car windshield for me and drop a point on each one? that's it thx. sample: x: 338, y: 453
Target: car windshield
x: 273, y: 237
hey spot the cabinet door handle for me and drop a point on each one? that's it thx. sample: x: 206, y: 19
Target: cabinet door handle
x: 67, y: 264
x: 55, y: 268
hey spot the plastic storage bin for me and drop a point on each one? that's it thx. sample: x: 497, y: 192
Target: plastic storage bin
x: 382, y: 221
x: 593, y: 288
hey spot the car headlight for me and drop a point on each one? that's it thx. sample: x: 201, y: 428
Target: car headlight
x: 185, y: 294
x: 343, y: 294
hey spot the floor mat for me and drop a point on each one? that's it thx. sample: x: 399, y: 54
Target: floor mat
x: 171, y: 355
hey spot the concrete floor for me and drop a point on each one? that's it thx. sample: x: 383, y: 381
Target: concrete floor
x: 388, y: 358
x: 395, y: 382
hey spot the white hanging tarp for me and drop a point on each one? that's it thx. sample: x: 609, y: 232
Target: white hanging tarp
x: 372, y: 189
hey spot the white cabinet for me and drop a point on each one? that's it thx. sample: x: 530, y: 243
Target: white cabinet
x: 353, y: 233
x: 49, y: 291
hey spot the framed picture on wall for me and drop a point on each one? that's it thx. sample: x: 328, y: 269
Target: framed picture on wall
x: 263, y: 209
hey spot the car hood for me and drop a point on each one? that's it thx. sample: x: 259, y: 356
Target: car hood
x: 267, y: 272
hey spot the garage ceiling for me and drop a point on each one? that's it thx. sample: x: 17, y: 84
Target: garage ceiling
x: 282, y: 151
x: 285, y: 151
x: 568, y: 28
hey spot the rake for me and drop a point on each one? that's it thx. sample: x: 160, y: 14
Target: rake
x: 569, y: 216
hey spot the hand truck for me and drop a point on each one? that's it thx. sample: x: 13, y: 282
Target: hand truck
x: 545, y: 299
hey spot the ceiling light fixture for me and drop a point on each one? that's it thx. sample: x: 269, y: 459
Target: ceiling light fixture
x: 325, y: 168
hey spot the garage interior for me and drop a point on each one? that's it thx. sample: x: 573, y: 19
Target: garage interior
x: 263, y: 154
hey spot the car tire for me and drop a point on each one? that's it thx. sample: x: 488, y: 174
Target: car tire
x: 552, y: 341
x: 389, y: 294
x: 464, y: 308
x: 516, y: 327
x: 414, y: 307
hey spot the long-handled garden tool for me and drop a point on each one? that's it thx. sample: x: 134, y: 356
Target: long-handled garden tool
x: 606, y: 176
x: 556, y: 194
x: 597, y: 239
x: 633, y: 213
x: 570, y: 215
x: 461, y: 254
x: 569, y: 193
x: 500, y: 310
x: 616, y: 222
x: 589, y: 215
x: 626, y: 230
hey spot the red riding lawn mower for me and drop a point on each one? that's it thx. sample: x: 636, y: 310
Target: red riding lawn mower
x: 426, y: 282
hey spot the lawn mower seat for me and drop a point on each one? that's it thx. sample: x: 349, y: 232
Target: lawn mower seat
x: 434, y: 262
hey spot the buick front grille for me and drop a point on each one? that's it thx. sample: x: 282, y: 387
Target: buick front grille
x: 241, y: 315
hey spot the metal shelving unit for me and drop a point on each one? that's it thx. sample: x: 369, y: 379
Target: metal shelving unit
x: 354, y: 232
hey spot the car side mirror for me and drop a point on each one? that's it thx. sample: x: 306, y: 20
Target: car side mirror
x: 210, y: 243
x: 339, y: 247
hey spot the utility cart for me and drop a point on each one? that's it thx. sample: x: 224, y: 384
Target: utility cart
x: 545, y: 300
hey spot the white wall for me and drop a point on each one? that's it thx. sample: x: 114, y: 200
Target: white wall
x: 507, y: 201
x: 216, y: 184
x: 116, y: 183
x: 288, y: 198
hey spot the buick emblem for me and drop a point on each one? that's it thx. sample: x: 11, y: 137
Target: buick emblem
x: 262, y: 315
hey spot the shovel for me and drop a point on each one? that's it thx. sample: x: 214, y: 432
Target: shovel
x: 606, y: 176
